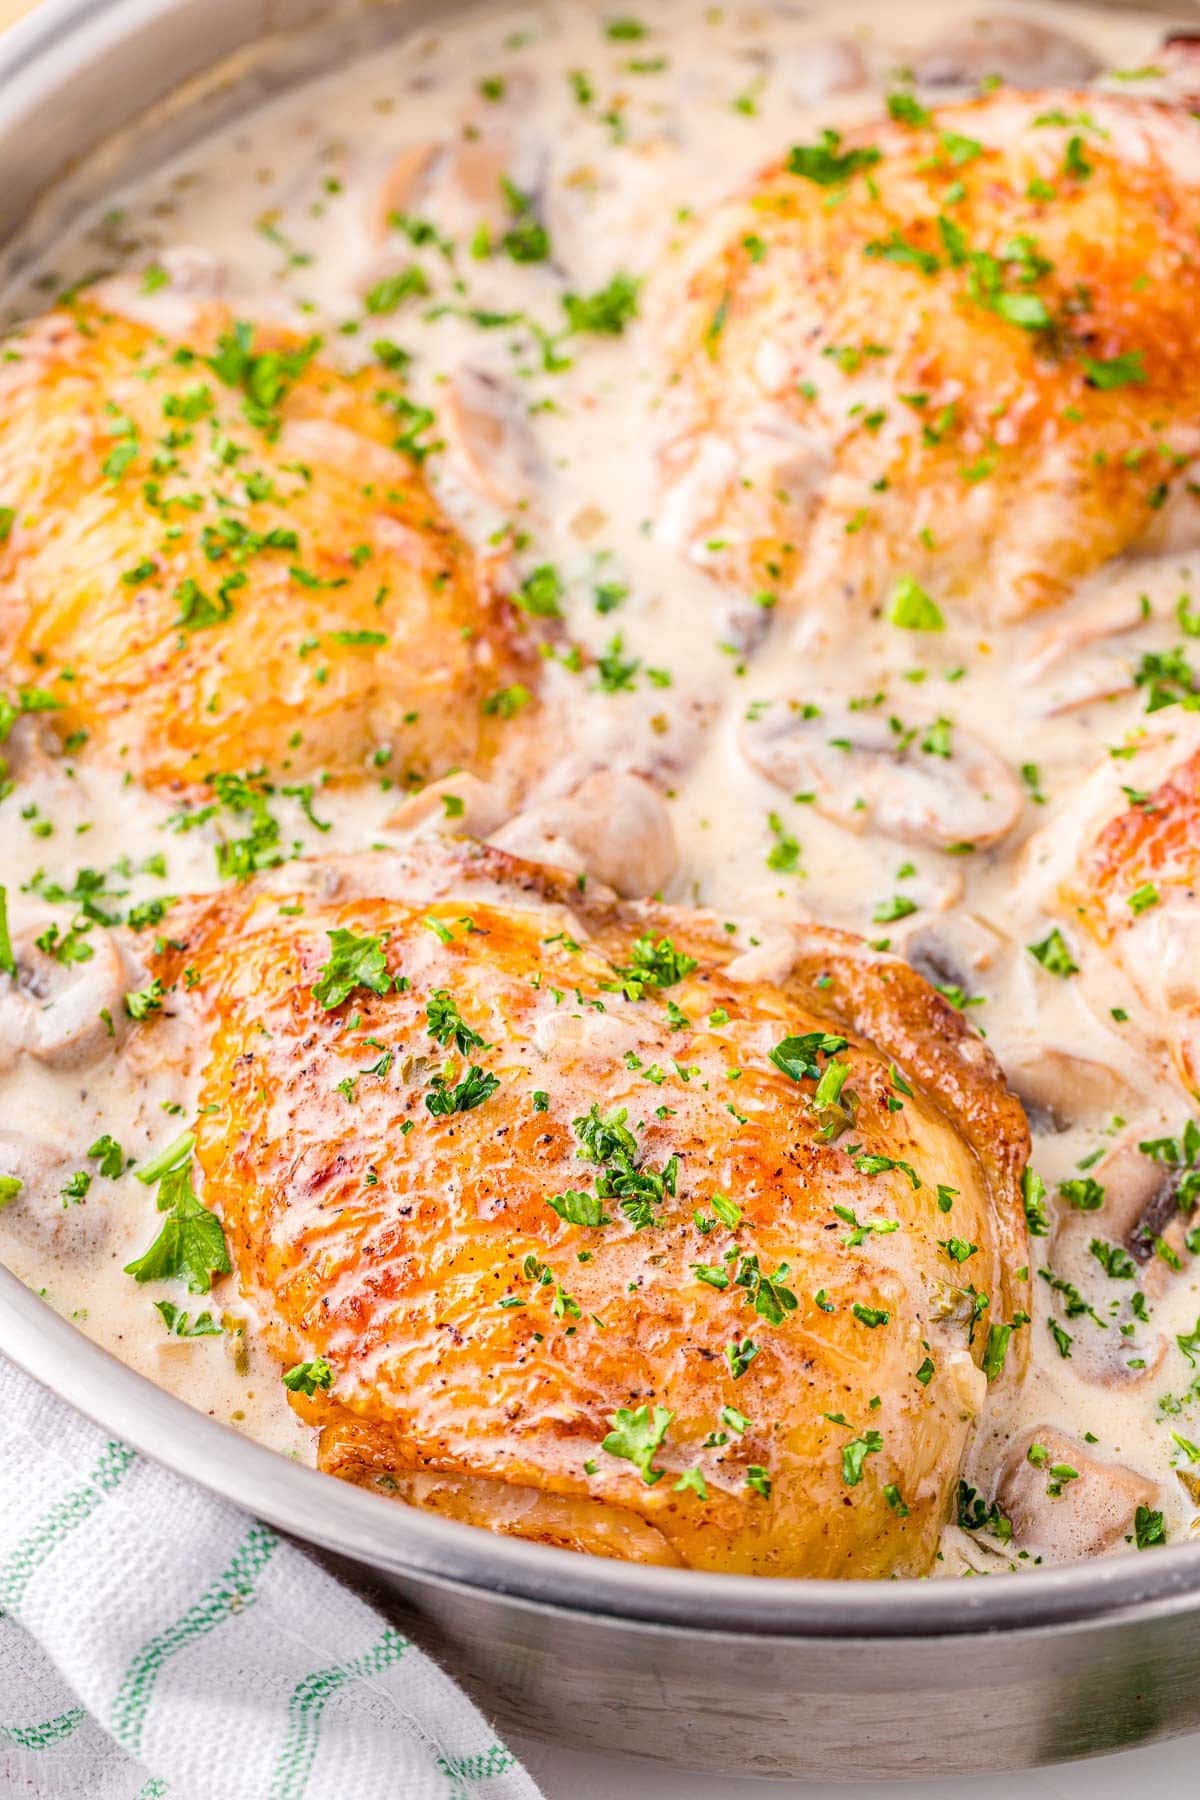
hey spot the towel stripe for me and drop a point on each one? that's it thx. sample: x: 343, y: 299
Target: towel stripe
x: 232, y: 1591
x: 462, y: 1772
x: 55, y: 1526
x: 46, y: 1735
x: 306, y: 1709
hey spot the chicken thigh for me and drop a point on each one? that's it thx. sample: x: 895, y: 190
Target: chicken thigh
x: 622, y: 1227
x: 1124, y: 879
x: 945, y: 361
x: 221, y: 554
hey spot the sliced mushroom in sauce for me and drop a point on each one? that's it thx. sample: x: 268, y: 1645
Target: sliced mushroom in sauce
x: 923, y: 782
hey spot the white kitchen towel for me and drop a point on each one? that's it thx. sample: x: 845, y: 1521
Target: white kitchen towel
x: 157, y: 1642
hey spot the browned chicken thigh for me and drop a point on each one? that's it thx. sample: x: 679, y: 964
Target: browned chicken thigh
x: 1123, y: 877
x: 617, y: 1226
x: 221, y: 554
x: 946, y: 359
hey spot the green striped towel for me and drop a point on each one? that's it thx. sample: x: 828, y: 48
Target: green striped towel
x: 155, y: 1641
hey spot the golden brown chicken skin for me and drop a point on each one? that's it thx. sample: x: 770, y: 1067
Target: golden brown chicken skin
x: 601, y: 1223
x: 1129, y: 881
x: 221, y: 555
x: 953, y: 349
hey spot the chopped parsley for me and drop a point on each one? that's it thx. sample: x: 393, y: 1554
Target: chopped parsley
x: 578, y: 1208
x: 827, y: 164
x: 1054, y: 955
x: 653, y: 964
x: 1149, y: 1528
x: 476, y: 1086
x: 447, y: 1025
x: 307, y: 1377
x: 636, y: 1436
x: 111, y: 1156
x: 911, y: 608
x: 606, y: 312
x: 855, y: 1454
x: 191, y: 1244
x: 354, y: 962
x: 181, y: 1325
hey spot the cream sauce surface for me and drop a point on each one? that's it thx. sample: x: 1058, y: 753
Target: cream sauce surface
x: 619, y: 129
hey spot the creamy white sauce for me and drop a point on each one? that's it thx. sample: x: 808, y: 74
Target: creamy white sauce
x: 284, y: 216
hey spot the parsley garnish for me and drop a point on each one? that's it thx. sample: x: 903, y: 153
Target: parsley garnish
x: 476, y: 1086
x: 855, y: 1454
x: 797, y: 1056
x: 8, y: 962
x: 307, y: 1377
x: 636, y: 1436
x: 828, y: 165
x: 608, y: 310
x: 1116, y: 1263
x: 447, y: 1024
x: 191, y: 1245
x: 354, y: 962
x: 975, y: 1515
x: 540, y: 593
x: 181, y: 1325
x: 911, y: 608
x: 1084, y: 1193
x: 740, y: 1355
x: 1053, y: 954
x: 1033, y: 1189
x: 653, y: 965
x: 995, y: 1350
x: 1128, y: 370
x: 1149, y: 1528
x: 605, y: 1138
x: 111, y: 1156
x: 264, y: 376
x: 145, y: 1001
x: 767, y: 1294
x: 578, y: 1208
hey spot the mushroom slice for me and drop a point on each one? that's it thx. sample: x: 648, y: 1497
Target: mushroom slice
x: 1142, y: 1207
x: 926, y: 784
x: 1139, y: 1193
x: 1101, y: 676
x: 1021, y: 52
x: 812, y: 72
x: 1078, y: 628
x: 1181, y: 62
x: 38, y: 1215
x: 30, y: 1161
x: 459, y: 804
x: 194, y: 277
x: 1070, y: 662
x: 400, y: 187
x: 1110, y: 1346
x: 950, y: 953
x: 955, y: 949
x: 1063, y: 1516
x: 1059, y: 1089
x: 615, y: 825
x: 462, y: 183
x: 771, y: 958
x: 65, y: 1015
x: 486, y: 427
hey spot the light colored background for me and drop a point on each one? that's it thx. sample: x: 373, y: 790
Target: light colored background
x: 1169, y: 1771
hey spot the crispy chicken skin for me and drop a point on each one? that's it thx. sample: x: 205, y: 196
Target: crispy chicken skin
x: 1128, y: 874
x: 493, y: 1278
x: 956, y: 346
x: 223, y: 544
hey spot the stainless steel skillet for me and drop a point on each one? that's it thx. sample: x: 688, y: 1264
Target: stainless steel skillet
x: 721, y: 1672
